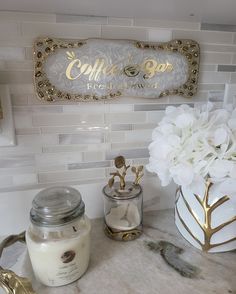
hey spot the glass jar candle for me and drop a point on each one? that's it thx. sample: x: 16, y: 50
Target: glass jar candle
x: 58, y: 238
x: 123, y: 211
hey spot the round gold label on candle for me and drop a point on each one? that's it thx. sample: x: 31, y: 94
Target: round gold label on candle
x: 68, y: 256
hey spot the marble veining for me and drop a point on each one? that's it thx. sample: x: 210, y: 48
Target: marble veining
x: 130, y: 268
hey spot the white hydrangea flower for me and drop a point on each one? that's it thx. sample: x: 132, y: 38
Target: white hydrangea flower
x: 192, y: 142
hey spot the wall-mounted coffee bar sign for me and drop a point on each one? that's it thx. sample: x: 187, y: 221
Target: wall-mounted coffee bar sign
x: 97, y: 69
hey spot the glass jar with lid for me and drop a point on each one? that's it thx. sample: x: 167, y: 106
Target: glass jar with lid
x: 123, y: 209
x: 58, y: 238
x: 123, y: 203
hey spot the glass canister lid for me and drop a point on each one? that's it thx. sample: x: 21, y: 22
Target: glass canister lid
x: 56, y: 206
x: 130, y: 191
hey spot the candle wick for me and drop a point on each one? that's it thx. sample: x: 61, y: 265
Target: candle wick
x: 74, y: 229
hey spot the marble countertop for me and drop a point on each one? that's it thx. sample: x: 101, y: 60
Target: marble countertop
x: 130, y: 267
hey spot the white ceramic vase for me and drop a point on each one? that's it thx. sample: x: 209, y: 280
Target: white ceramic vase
x: 205, y: 215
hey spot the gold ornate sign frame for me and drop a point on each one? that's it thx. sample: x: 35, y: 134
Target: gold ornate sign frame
x: 46, y: 46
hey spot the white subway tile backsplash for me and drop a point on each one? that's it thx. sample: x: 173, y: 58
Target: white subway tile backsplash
x: 233, y: 78
x: 81, y: 138
x: 12, y: 53
x: 76, y: 142
x: 86, y: 107
x: 133, y: 117
x: 66, y: 119
x: 155, y: 116
x: 115, y: 137
x: 6, y: 181
x: 144, y: 126
x: 22, y: 121
x: 19, y: 100
x: 85, y: 174
x: 16, y: 42
x: 218, y: 48
x: 234, y: 38
x: 200, y: 96
x: 208, y: 67
x: 21, y: 89
x: 21, y: 150
x: 15, y: 171
x: 84, y: 165
x: 76, y: 147
x: 234, y: 59
x: 2, y: 65
x: 128, y: 153
x: 226, y: 68
x: 205, y: 36
x: 207, y: 87
x: 120, y: 21
x: 157, y: 35
x: 27, y: 131
x: 16, y: 77
x: 64, y: 148
x: 216, y: 58
x: 218, y: 27
x: 81, y: 19
x: 186, y: 25
x: 149, y: 107
x: 47, y: 160
x: 120, y: 108
x: 74, y: 129
x: 129, y: 145
x: 94, y: 155
x: 17, y: 161
x: 8, y: 29
x: 214, y: 77
x: 122, y: 32
x: 7, y: 16
x: 27, y: 179
x: 19, y: 65
x: 121, y: 127
x: 29, y: 53
x: 37, y: 140
x: 80, y: 31
x: 134, y: 136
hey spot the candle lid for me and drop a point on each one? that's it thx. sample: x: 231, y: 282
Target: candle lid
x: 56, y: 206
x: 129, y: 192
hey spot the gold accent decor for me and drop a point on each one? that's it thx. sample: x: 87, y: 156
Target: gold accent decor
x: 9, y: 281
x: 191, y: 50
x: 123, y: 235
x: 120, y: 164
x: 44, y: 47
x: 206, y: 227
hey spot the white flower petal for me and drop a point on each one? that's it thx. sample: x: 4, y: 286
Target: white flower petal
x: 170, y: 109
x: 220, y: 136
x: 232, y: 123
x: 182, y: 174
x: 184, y: 120
x: 220, y: 168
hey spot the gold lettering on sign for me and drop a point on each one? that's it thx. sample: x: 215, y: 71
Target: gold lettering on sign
x: 111, y: 86
x: 149, y: 68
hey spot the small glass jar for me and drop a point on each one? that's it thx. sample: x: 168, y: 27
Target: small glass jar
x: 58, y: 238
x: 123, y: 210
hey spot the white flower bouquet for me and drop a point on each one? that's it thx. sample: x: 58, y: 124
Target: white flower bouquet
x: 193, y: 142
x: 196, y: 148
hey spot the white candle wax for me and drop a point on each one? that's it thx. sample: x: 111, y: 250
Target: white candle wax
x: 60, y: 261
x: 123, y: 217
